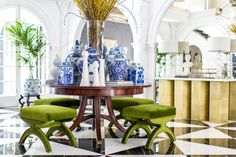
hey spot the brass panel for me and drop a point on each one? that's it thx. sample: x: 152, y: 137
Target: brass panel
x: 200, y: 100
x: 232, y: 103
x: 182, y: 99
x: 219, y: 101
x: 166, y: 92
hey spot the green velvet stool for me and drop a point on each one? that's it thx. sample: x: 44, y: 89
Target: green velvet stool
x: 120, y: 103
x: 144, y: 116
x: 66, y: 102
x: 47, y: 116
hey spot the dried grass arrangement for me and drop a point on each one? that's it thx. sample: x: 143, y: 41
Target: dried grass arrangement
x: 96, y: 12
x: 232, y: 28
x: 96, y: 9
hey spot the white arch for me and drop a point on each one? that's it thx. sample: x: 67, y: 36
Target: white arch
x: 79, y: 28
x: 155, y: 23
x: 35, y: 9
x: 189, y: 28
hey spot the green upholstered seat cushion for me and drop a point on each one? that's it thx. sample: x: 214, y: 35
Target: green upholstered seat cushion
x: 148, y: 111
x: 66, y: 102
x: 47, y: 113
x: 119, y: 103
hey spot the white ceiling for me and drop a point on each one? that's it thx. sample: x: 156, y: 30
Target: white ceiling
x: 207, y: 4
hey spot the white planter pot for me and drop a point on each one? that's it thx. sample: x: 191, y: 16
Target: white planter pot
x: 32, y: 87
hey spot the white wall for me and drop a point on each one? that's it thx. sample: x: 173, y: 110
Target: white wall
x: 196, y: 5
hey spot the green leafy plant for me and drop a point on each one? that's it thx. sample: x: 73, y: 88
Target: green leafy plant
x: 160, y: 60
x: 29, y: 41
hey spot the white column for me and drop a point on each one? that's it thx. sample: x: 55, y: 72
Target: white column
x: 147, y: 57
x: 144, y: 53
x: 63, y: 7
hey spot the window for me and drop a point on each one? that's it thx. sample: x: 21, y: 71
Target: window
x: 12, y: 77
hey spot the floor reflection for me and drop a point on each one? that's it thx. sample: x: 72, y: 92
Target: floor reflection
x: 233, y: 124
x: 194, y: 122
x: 11, y: 128
x: 231, y: 133
x: 227, y: 143
x: 87, y: 144
x: 160, y: 147
x: 182, y: 131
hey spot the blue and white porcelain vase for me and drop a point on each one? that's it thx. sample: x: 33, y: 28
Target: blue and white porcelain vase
x: 65, y: 74
x: 93, y: 56
x: 75, y: 59
x: 136, y: 73
x: 117, y: 64
x: 32, y: 87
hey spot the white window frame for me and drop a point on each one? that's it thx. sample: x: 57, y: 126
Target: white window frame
x: 6, y: 101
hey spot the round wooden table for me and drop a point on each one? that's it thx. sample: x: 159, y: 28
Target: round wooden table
x: 98, y: 94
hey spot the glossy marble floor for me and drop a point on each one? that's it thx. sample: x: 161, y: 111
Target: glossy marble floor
x: 194, y: 138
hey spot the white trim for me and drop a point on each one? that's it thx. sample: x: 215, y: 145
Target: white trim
x: 35, y: 9
x: 8, y: 101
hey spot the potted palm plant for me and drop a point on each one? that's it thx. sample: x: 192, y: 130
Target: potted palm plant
x: 29, y: 41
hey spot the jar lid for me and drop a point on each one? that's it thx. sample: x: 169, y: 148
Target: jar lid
x: 117, y: 51
x: 90, y: 49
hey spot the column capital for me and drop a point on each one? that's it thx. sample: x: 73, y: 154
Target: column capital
x: 139, y: 45
x: 152, y: 44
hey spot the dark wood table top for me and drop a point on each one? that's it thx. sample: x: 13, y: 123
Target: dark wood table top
x: 111, y: 90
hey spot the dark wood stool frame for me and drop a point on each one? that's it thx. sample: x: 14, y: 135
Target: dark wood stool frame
x: 98, y: 94
x: 27, y: 99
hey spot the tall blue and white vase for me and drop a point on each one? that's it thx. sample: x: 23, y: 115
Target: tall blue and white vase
x: 117, y: 64
x: 136, y: 73
x: 75, y: 59
x: 93, y: 56
x: 129, y: 72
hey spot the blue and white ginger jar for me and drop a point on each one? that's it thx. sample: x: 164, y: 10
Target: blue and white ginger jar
x: 117, y: 64
x: 65, y: 74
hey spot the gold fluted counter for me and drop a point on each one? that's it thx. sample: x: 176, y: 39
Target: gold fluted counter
x: 200, y: 99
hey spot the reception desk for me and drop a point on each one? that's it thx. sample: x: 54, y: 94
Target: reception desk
x: 200, y: 99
